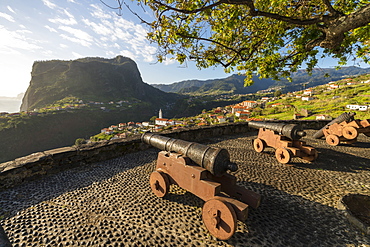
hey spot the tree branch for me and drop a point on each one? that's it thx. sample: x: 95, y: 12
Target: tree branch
x: 254, y: 12
x: 186, y: 11
x: 331, y: 9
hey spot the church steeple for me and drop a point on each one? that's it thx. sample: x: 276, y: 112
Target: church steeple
x: 160, y: 113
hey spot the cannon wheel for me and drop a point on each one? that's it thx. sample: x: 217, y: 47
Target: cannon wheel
x: 332, y: 140
x: 283, y: 155
x: 159, y: 183
x: 313, y: 157
x: 350, y: 132
x: 259, y: 145
x: 219, y: 218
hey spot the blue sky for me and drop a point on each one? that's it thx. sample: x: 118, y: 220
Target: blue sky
x: 70, y: 29
x: 33, y: 30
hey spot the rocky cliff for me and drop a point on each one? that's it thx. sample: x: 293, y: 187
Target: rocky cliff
x: 89, y: 79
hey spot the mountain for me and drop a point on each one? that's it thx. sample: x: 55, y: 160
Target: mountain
x: 89, y: 79
x: 234, y: 84
x: 107, y: 91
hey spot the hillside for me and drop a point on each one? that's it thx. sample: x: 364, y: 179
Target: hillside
x: 326, y: 101
x: 29, y: 134
x: 234, y: 84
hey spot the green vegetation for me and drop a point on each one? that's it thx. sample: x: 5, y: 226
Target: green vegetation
x: 330, y: 102
x: 79, y: 141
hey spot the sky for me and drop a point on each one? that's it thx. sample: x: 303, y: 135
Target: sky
x: 40, y: 30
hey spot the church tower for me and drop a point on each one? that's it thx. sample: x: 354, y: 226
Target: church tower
x: 160, y: 113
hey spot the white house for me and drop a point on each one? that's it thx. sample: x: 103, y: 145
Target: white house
x: 307, y: 98
x: 323, y: 117
x: 238, y: 107
x: 363, y: 107
x: 353, y: 107
x: 161, y: 121
x: 250, y: 103
x: 242, y: 113
x: 221, y: 119
x: 106, y: 131
x: 308, y: 92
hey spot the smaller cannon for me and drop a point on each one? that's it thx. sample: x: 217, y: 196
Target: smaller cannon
x: 285, y: 139
x: 344, y: 129
x: 202, y: 170
x: 345, y: 116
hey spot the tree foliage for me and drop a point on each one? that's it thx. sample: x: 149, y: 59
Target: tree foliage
x: 271, y: 38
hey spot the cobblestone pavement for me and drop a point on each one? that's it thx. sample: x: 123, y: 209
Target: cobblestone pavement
x: 111, y: 203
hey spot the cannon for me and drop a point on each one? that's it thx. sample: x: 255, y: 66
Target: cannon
x: 346, y: 116
x: 203, y: 171
x: 284, y: 138
x: 344, y: 129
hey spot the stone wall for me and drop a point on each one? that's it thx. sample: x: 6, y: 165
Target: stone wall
x: 49, y: 162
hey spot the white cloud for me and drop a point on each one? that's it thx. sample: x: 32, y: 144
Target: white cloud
x: 49, y: 4
x: 77, y: 55
x: 10, y: 9
x: 98, y: 12
x: 65, y: 21
x: 98, y: 28
x: 7, y: 17
x: 77, y: 33
x: 63, y: 46
x: 169, y: 61
x: 75, y: 40
x: 127, y: 53
x: 51, y: 29
x: 71, y: 1
x: 47, y: 53
x: 115, y: 32
x: 15, y: 40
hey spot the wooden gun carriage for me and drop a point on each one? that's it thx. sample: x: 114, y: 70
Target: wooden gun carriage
x: 202, y: 170
x: 344, y: 129
x: 285, y: 139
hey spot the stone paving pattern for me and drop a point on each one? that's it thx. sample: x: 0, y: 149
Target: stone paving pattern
x: 111, y: 204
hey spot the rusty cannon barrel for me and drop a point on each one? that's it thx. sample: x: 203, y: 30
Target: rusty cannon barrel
x: 346, y: 116
x: 292, y: 131
x: 215, y: 160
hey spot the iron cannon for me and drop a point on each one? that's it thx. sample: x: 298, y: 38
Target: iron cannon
x: 346, y: 116
x: 215, y: 160
x: 202, y: 170
x: 344, y: 129
x: 292, y: 131
x: 284, y: 138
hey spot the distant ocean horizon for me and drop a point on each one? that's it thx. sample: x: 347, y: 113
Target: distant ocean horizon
x: 10, y: 105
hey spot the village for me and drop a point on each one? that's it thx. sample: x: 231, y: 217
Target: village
x: 72, y: 103
x: 243, y: 111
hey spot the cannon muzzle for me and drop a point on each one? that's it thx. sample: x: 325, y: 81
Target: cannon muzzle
x: 292, y: 131
x: 346, y: 116
x: 215, y: 160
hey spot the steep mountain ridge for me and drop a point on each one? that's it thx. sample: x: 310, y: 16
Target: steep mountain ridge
x: 234, y: 84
